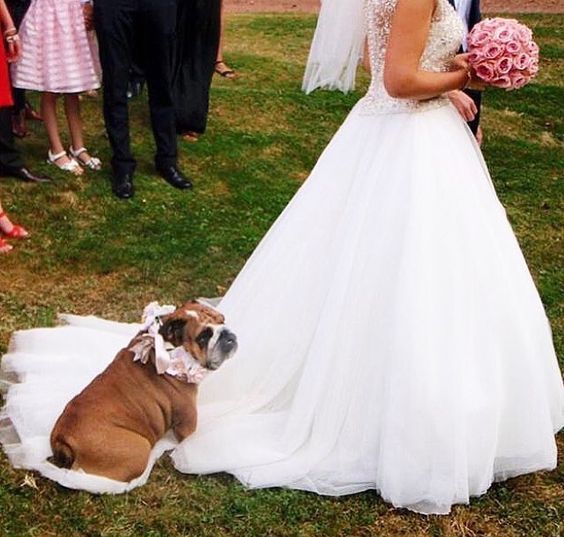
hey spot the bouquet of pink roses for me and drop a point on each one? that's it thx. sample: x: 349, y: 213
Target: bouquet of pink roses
x: 502, y: 53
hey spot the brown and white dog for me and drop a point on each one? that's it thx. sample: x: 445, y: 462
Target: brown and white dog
x: 110, y: 428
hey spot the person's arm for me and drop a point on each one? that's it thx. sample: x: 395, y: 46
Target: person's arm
x: 408, y: 38
x: 464, y: 104
x: 88, y: 13
x: 9, y: 33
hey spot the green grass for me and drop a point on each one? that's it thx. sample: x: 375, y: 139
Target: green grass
x: 93, y: 254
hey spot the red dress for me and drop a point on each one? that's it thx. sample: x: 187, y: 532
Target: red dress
x: 5, y: 86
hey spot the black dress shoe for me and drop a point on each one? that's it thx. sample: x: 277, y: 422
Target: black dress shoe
x: 122, y: 186
x: 24, y: 174
x: 173, y: 176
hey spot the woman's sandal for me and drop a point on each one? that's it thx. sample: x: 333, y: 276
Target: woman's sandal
x: 16, y: 231
x: 93, y: 163
x: 5, y: 247
x: 31, y: 113
x: 222, y: 69
x: 71, y: 165
x: 190, y: 136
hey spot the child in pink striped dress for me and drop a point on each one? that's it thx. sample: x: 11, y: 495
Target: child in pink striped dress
x: 60, y: 58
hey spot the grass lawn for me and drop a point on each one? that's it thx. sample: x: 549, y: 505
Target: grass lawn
x: 94, y: 254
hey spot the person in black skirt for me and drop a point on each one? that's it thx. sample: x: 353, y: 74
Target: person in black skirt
x: 198, y: 31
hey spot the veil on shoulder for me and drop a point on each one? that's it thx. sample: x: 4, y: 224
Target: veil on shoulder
x: 336, y: 47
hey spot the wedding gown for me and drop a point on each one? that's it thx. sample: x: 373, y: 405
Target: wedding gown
x: 391, y: 336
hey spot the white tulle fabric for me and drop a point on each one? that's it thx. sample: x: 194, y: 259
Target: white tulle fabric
x: 43, y: 370
x: 391, y: 336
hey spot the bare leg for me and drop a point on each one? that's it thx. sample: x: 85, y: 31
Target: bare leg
x: 72, y: 111
x: 49, y: 114
x: 74, y: 119
x: 221, y: 68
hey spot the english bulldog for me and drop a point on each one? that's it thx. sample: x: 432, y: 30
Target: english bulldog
x: 150, y: 387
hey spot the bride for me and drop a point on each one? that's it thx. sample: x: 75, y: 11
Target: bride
x: 391, y: 336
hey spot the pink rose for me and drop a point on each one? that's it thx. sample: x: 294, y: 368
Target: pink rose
x: 479, y: 38
x: 502, y: 82
x: 475, y: 56
x: 485, y: 71
x: 493, y: 50
x: 513, y: 47
x: 533, y: 69
x: 502, y: 34
x: 533, y: 48
x: 522, y: 61
x: 503, y: 65
x: 518, y: 80
x: 525, y: 34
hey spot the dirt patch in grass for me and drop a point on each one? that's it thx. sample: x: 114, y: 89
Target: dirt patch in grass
x: 311, y: 6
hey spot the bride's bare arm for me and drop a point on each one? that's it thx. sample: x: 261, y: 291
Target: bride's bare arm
x: 408, y: 37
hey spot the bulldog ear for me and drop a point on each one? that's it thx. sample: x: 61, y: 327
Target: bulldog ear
x: 172, y: 331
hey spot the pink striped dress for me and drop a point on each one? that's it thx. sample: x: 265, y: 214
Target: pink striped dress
x: 59, y: 55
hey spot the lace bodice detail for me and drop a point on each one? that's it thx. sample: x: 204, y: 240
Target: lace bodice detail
x: 445, y: 36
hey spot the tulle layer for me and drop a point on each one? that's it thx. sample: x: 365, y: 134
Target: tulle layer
x: 391, y: 336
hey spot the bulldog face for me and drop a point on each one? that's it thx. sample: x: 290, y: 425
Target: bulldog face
x: 202, y: 332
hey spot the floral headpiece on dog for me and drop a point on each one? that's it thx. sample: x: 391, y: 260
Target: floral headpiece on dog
x: 170, y: 360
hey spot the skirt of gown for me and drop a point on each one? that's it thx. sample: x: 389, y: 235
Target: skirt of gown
x: 391, y: 336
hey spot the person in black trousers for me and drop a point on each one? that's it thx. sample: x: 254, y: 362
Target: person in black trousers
x: 11, y: 163
x: 198, y: 30
x: 150, y: 24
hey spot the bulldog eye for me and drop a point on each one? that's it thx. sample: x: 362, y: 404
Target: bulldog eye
x: 204, y: 337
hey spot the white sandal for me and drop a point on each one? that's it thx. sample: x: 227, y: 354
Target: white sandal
x: 71, y: 165
x: 93, y: 163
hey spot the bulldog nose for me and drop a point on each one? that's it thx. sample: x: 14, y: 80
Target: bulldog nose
x: 227, y: 341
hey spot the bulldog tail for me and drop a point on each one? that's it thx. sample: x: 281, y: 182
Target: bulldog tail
x: 63, y: 455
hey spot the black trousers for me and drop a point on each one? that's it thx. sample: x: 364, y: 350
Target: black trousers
x: 121, y: 25
x: 10, y: 157
x: 18, y: 9
x: 198, y: 29
x: 476, y: 96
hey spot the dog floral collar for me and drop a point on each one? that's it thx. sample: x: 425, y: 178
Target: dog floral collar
x: 170, y: 360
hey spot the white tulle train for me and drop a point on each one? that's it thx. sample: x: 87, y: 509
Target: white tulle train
x: 391, y: 336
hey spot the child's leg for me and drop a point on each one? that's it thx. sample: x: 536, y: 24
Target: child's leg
x: 49, y: 113
x: 72, y: 110
x: 74, y: 119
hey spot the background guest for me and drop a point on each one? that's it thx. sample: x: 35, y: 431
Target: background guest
x: 58, y: 62
x: 22, y: 110
x: 121, y: 27
x: 7, y: 228
x: 221, y: 68
x: 198, y: 28
x: 11, y: 163
x: 469, y: 101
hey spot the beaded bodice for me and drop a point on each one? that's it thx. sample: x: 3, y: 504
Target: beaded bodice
x: 445, y: 36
